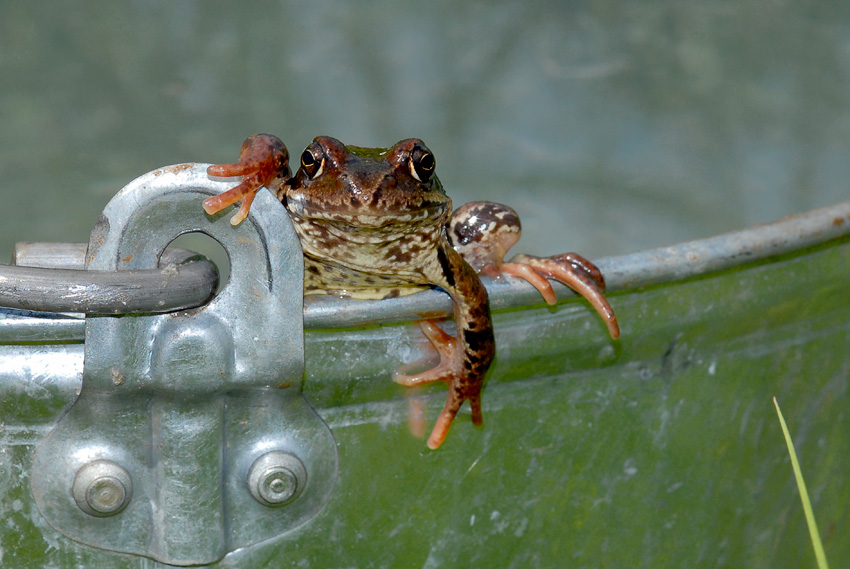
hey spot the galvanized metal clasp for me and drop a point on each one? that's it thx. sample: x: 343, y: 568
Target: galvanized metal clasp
x: 190, y: 437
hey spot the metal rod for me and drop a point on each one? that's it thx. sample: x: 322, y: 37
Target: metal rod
x: 183, y: 280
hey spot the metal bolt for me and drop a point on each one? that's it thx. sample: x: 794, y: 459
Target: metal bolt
x: 102, y: 488
x: 277, y: 478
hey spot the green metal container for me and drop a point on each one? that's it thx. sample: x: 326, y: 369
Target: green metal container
x: 660, y: 449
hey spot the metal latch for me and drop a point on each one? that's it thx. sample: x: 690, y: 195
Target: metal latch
x: 190, y: 437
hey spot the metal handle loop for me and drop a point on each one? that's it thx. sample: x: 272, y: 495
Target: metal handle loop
x: 183, y: 280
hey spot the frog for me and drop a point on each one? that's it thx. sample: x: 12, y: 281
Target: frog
x: 376, y: 223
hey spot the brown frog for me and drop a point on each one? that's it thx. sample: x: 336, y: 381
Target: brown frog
x: 376, y: 223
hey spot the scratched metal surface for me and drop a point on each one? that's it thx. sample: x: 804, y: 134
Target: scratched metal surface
x: 613, y: 128
x: 662, y: 447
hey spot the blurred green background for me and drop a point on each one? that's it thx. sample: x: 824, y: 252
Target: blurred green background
x: 611, y: 126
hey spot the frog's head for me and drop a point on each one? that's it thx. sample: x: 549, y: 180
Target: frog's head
x: 368, y: 186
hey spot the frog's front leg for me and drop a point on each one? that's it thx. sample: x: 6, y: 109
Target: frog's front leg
x: 464, y: 360
x: 263, y: 161
x: 483, y: 232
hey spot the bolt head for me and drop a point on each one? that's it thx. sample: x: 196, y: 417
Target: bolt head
x: 102, y: 488
x: 277, y: 478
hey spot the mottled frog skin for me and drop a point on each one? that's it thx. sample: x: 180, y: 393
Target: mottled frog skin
x: 376, y: 223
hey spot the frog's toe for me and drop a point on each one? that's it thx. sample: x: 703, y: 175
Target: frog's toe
x: 240, y: 215
x: 263, y: 161
x: 229, y: 170
x: 572, y: 270
x: 528, y: 273
x: 440, y: 372
x: 445, y: 346
x: 246, y: 190
x: 447, y: 416
x: 444, y: 423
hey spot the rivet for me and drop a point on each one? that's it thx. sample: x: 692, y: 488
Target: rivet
x: 277, y: 478
x: 102, y: 488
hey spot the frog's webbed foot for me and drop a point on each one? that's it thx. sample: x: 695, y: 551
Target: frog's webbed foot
x: 570, y: 269
x: 449, y: 370
x: 263, y: 161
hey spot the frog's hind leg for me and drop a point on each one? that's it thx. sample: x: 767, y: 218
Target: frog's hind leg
x: 446, y: 346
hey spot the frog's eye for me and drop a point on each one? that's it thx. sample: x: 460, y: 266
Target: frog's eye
x: 421, y: 164
x: 313, y: 166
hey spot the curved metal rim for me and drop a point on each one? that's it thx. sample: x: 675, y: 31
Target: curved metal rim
x: 624, y: 272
